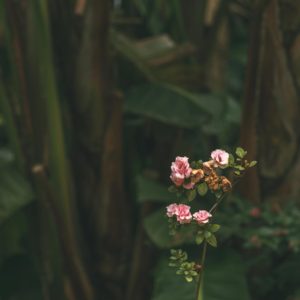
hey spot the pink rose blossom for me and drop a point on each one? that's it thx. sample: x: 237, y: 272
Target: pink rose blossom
x: 183, y: 214
x: 180, y: 169
x: 202, y: 216
x: 172, y: 210
x: 178, y: 181
x: 181, y: 211
x: 189, y: 185
x: 220, y: 157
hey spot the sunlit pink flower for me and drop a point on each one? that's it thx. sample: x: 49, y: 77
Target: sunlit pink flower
x: 172, y: 210
x: 183, y: 214
x: 180, y: 169
x: 220, y: 157
x: 202, y: 216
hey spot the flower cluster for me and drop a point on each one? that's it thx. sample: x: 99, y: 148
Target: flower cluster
x: 183, y: 214
x: 187, y: 178
x: 198, y: 177
x: 181, y: 211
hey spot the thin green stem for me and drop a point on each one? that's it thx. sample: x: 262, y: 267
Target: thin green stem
x: 199, y: 292
x: 200, y: 279
x: 215, y: 206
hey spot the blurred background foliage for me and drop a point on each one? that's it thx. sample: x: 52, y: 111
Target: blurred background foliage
x: 96, y: 100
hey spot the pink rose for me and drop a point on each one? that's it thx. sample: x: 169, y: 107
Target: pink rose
x: 189, y: 185
x: 181, y: 211
x: 183, y: 214
x: 202, y: 216
x: 176, y: 180
x: 172, y: 210
x: 220, y: 157
x: 180, y: 169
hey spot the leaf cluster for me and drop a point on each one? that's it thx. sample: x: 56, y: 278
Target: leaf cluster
x: 179, y: 260
x: 206, y: 233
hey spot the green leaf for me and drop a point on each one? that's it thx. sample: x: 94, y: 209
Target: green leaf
x: 202, y: 189
x: 189, y: 279
x: 224, y: 279
x: 150, y: 190
x: 173, y: 251
x: 214, y: 227
x: 157, y: 229
x: 199, y: 239
x: 240, y: 152
x: 191, y: 194
x: 173, y: 265
x: 212, y: 240
x: 252, y: 164
x: 231, y: 160
x: 15, y: 192
x: 239, y: 167
x: 171, y: 105
x: 207, y: 234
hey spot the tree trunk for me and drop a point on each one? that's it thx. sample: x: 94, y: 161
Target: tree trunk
x: 98, y: 157
x: 271, y: 109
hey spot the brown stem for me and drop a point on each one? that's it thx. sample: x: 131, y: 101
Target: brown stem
x: 70, y: 259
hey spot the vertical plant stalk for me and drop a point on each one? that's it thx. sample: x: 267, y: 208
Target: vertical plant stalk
x: 11, y: 126
x: 40, y: 36
x: 15, y: 105
x: 18, y: 66
x: 9, y: 96
x: 99, y: 159
x: 250, y: 188
x: 48, y: 234
x: 199, y: 293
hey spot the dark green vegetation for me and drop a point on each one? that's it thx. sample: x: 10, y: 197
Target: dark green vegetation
x: 97, y: 99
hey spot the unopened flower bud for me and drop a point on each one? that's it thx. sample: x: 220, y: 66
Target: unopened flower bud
x: 226, y: 184
x: 197, y: 175
x: 198, y: 268
x: 208, y: 167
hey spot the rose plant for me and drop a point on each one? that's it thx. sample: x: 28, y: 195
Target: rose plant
x: 198, y: 177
